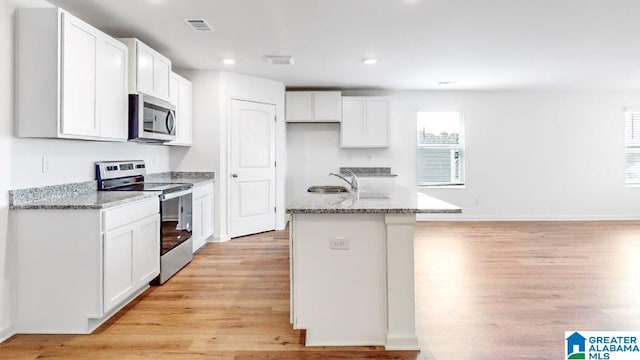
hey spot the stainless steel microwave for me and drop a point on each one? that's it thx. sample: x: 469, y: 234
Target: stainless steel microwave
x: 151, y: 119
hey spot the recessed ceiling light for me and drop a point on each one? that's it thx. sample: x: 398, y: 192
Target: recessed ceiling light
x: 370, y: 61
x: 228, y: 61
x: 449, y: 82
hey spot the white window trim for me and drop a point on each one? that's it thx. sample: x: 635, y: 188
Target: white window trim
x: 630, y: 148
x: 461, y: 146
x: 452, y: 186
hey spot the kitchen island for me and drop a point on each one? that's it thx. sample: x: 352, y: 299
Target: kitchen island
x: 351, y: 262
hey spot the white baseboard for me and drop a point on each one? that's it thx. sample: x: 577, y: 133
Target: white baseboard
x: 219, y: 238
x: 463, y: 218
x: 345, y: 343
x: 402, y: 342
x: 6, y: 333
x: 283, y: 225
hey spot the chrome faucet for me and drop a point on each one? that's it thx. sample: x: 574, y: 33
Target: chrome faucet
x: 354, y: 183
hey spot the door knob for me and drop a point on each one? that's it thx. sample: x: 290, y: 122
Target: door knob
x: 234, y: 175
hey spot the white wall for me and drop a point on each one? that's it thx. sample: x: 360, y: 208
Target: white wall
x: 73, y: 160
x: 529, y: 154
x: 212, y: 93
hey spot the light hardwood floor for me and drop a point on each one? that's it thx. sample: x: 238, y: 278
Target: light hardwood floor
x: 483, y: 291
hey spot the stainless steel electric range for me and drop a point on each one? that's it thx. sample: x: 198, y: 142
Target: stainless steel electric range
x: 176, y: 248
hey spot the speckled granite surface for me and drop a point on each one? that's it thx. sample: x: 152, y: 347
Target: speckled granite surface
x: 20, y: 196
x: 84, y: 195
x: 189, y: 177
x: 85, y: 200
x: 390, y: 200
x: 368, y: 171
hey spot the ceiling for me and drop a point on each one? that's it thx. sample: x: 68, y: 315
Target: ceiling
x: 478, y: 44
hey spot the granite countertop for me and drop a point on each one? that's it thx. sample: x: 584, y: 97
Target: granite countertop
x: 85, y: 195
x: 87, y: 200
x: 390, y: 200
x: 367, y: 171
x: 181, y: 177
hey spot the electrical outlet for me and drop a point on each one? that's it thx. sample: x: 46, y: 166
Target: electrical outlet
x: 45, y: 165
x: 339, y: 243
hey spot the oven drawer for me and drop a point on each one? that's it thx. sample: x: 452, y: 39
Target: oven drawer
x: 129, y: 213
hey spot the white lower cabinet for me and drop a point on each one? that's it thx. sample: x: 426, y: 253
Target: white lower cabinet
x: 118, y: 266
x: 202, y: 214
x: 146, y: 241
x: 128, y: 265
x: 78, y: 267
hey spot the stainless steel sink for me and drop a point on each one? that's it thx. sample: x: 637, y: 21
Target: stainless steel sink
x: 327, y: 189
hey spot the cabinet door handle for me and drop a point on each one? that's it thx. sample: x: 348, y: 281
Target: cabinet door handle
x: 234, y: 175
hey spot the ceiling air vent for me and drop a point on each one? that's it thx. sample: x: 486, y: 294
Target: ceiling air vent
x: 280, y: 60
x: 198, y: 24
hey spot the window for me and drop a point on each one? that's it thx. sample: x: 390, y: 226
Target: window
x: 440, y: 149
x: 632, y: 146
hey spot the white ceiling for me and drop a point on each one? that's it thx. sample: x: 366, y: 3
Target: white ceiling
x: 480, y: 44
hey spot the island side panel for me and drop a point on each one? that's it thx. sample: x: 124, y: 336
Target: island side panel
x: 339, y: 295
x: 401, y: 333
x: 292, y: 302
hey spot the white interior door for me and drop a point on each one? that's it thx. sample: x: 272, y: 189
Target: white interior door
x: 253, y: 168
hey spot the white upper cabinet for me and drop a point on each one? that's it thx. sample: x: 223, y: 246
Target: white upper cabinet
x: 313, y: 106
x: 161, y: 75
x: 144, y: 68
x: 352, y: 127
x: 150, y: 71
x: 174, y: 84
x: 79, y: 69
x: 185, y: 113
x: 71, y: 78
x: 299, y: 106
x: 365, y: 122
x: 377, y: 122
x: 180, y: 95
x: 112, y: 64
x: 327, y: 106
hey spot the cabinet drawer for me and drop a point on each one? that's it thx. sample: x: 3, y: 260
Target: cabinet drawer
x: 129, y: 213
x: 202, y: 190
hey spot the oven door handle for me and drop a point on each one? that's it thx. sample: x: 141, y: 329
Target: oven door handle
x: 176, y: 194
